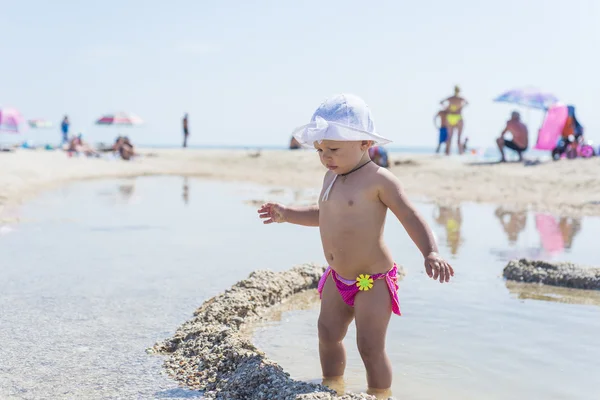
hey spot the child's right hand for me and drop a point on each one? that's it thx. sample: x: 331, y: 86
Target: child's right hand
x: 436, y: 266
x: 272, y: 212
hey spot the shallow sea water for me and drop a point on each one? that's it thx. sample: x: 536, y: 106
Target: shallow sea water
x: 479, y: 337
x: 96, y: 272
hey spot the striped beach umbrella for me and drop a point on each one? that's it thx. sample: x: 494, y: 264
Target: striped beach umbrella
x: 10, y: 119
x: 120, y: 118
x: 528, y: 97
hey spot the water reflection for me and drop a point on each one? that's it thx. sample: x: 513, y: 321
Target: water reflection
x: 186, y: 191
x: 556, y: 234
x: 513, y: 223
x: 532, y: 291
x: 123, y: 195
x: 569, y: 227
x: 8, y: 214
x: 450, y: 218
x: 126, y: 190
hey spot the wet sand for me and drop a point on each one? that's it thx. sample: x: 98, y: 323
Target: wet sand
x: 569, y: 187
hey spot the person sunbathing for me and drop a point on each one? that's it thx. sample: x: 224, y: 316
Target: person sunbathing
x: 77, y: 145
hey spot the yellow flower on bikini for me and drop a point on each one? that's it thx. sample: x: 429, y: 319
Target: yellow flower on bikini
x: 364, y: 282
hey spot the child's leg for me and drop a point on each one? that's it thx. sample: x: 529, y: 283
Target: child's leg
x: 449, y: 139
x: 334, y: 319
x: 372, y: 312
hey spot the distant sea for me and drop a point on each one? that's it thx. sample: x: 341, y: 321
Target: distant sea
x: 390, y: 149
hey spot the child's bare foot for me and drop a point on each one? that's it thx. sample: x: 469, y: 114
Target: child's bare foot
x: 380, y: 393
x: 336, y: 383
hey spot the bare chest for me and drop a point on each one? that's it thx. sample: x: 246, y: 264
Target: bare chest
x: 347, y: 198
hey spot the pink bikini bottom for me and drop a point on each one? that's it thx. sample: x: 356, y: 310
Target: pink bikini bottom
x: 349, y: 288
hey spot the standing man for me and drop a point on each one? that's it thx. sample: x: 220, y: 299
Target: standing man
x: 64, y: 127
x: 185, y: 130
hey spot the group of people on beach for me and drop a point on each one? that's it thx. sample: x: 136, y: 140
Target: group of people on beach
x: 451, y: 122
x: 75, y: 145
x: 122, y: 147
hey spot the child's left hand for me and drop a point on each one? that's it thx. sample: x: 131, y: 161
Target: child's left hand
x: 436, y: 266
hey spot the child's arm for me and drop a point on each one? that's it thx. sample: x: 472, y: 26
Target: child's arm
x: 393, y: 196
x: 274, y: 212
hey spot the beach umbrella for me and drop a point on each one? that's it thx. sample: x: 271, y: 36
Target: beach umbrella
x: 528, y: 97
x: 40, y: 123
x: 120, y: 118
x: 10, y: 118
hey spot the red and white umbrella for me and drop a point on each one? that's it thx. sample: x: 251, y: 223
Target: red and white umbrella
x: 120, y: 118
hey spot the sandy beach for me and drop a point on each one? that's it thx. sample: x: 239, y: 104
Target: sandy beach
x: 567, y: 187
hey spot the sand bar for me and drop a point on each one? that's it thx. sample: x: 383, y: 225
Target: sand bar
x: 556, y: 274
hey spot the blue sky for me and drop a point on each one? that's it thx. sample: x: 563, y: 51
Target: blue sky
x: 250, y: 73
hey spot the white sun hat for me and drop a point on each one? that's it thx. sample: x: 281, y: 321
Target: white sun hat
x: 343, y: 117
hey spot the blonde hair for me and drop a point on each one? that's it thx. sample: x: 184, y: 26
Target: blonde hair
x: 456, y: 90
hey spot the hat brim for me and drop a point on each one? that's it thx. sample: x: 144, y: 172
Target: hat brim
x: 306, y: 135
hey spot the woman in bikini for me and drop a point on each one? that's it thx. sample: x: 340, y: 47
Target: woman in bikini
x: 455, y: 104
